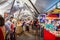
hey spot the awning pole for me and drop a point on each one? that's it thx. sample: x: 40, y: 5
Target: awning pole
x: 34, y: 6
x: 12, y: 6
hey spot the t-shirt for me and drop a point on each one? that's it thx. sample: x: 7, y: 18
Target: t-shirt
x: 1, y: 35
x: 12, y: 27
x: 7, y: 25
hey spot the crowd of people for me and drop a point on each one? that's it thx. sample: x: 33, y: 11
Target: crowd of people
x: 11, y: 27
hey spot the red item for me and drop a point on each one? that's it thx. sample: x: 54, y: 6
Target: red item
x: 50, y: 36
x: 12, y: 27
x: 37, y: 26
x: 58, y: 27
x: 1, y: 35
x: 52, y: 15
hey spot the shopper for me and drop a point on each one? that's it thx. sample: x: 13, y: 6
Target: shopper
x: 12, y: 28
x: 9, y: 29
x: 18, y: 28
x: 23, y: 26
x: 12, y: 31
x: 7, y: 26
x: 31, y: 24
x: 27, y: 25
x: 1, y: 27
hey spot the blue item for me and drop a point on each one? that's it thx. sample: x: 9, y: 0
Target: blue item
x: 49, y: 26
x: 41, y: 20
x: 23, y: 24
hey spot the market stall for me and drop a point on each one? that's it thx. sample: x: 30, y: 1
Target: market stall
x: 50, y: 33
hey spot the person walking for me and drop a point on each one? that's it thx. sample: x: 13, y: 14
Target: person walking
x: 2, y: 21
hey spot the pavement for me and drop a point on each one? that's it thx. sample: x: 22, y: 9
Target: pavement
x: 29, y: 36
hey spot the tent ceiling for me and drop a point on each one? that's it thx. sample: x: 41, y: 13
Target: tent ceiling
x: 41, y: 5
x: 2, y: 1
x: 44, y: 5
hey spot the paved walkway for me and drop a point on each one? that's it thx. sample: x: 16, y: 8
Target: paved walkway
x: 28, y: 36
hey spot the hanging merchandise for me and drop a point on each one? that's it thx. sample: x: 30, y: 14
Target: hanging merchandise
x: 56, y: 10
x: 36, y: 25
x: 42, y: 18
x: 52, y: 16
